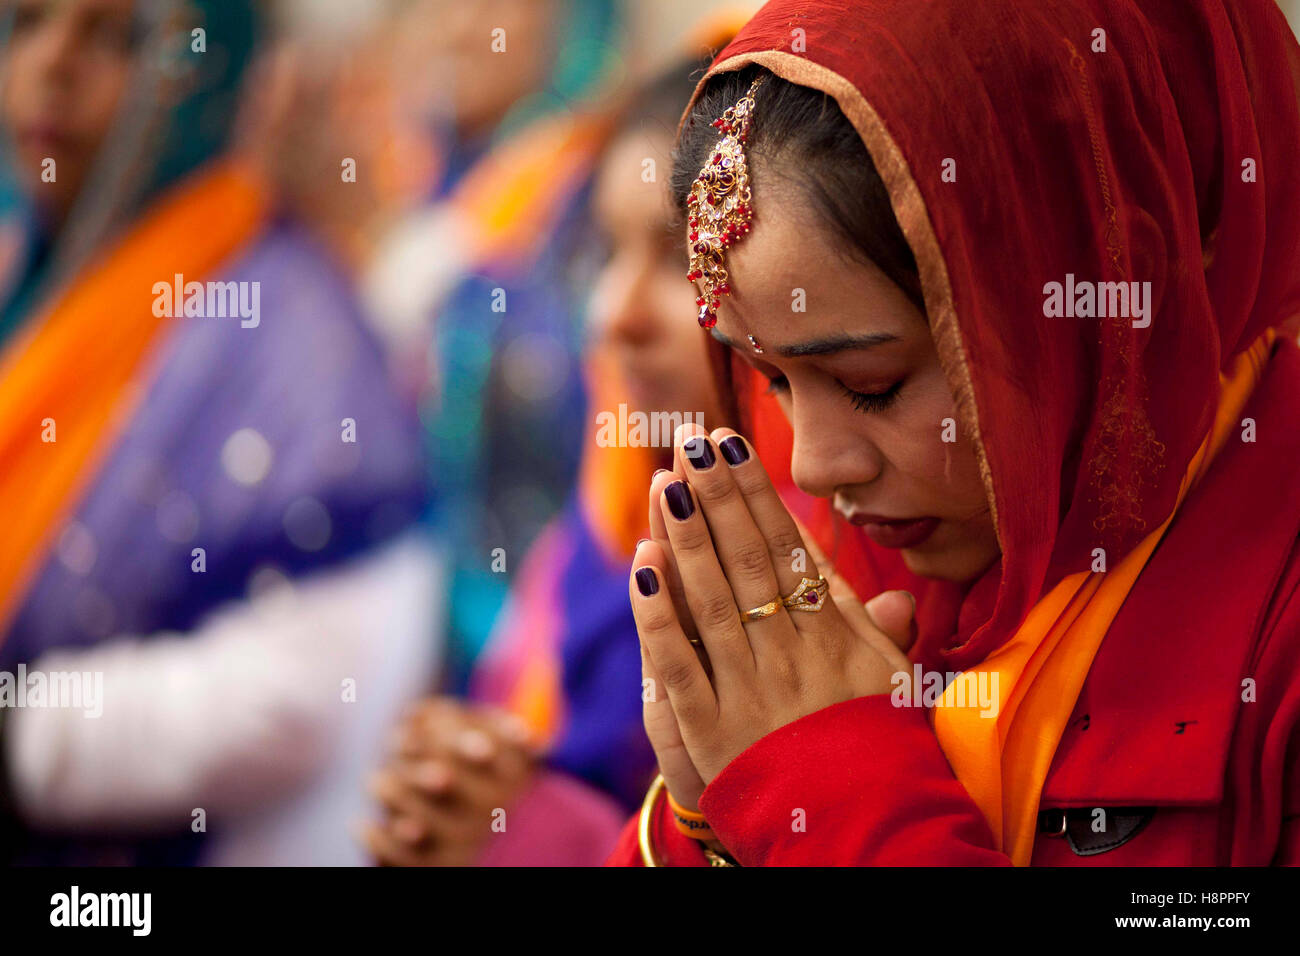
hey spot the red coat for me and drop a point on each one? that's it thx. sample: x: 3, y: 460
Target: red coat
x: 1160, y: 723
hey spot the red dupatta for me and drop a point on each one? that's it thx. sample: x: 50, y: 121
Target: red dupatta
x: 1167, y: 156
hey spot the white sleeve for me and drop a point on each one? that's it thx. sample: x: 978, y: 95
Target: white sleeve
x: 222, y: 718
x: 402, y: 285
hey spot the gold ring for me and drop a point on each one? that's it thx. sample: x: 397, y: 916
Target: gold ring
x: 809, y: 596
x: 765, y: 610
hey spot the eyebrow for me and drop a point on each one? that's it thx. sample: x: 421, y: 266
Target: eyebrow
x: 837, y: 343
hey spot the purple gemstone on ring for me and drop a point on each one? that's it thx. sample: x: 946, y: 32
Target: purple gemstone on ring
x: 811, y: 597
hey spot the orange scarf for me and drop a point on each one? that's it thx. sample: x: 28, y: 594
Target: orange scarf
x: 73, y: 375
x: 612, y: 481
x: 511, y: 200
x: 1003, y: 760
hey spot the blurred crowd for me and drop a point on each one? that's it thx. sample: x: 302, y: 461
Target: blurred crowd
x: 308, y: 309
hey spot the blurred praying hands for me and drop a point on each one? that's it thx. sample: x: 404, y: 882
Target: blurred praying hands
x: 453, y: 771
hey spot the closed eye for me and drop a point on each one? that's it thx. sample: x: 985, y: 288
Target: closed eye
x: 868, y: 402
x: 872, y: 401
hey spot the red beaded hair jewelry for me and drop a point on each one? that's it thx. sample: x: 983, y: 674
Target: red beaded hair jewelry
x: 718, y: 208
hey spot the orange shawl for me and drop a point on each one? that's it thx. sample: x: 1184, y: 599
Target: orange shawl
x: 71, y: 380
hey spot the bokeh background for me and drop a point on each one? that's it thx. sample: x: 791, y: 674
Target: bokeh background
x: 377, y: 516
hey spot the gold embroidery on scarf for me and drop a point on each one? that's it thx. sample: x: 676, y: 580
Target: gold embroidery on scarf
x: 1113, y: 247
x: 1127, y: 451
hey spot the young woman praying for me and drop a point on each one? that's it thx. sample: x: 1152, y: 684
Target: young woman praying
x: 1095, y: 519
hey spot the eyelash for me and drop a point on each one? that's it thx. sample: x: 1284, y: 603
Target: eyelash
x: 868, y: 402
x: 872, y: 402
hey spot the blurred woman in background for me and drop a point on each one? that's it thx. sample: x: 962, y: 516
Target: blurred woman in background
x: 549, y: 754
x: 207, y: 508
x: 473, y: 290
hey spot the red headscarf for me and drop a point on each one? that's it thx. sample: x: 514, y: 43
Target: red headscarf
x: 1111, y: 166
x: 1108, y: 141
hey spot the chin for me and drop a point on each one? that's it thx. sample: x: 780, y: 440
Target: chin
x: 948, y: 564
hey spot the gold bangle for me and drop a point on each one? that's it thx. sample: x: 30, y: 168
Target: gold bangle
x: 648, y: 805
x: 647, y: 815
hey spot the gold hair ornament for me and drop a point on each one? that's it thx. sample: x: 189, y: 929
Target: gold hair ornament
x: 718, y: 208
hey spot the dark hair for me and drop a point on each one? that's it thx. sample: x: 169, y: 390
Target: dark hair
x: 660, y: 100
x: 803, y: 133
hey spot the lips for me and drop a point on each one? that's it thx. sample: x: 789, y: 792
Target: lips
x: 894, y: 533
x: 43, y: 136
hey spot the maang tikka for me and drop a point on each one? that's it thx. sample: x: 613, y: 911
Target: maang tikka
x: 719, y: 208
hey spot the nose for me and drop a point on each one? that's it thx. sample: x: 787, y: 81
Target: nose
x: 58, y: 47
x: 827, y: 456
x: 621, y: 312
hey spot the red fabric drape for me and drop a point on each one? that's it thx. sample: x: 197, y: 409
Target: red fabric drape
x: 1167, y: 156
x: 1123, y: 165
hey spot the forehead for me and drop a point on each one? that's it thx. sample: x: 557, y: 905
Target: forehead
x: 625, y: 192
x: 791, y: 281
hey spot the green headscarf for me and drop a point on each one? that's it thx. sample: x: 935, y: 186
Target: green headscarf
x: 156, y: 140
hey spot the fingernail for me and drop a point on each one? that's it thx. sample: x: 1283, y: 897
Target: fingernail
x: 658, y: 472
x: 646, y: 582
x: 679, y: 500
x: 639, y: 542
x: 699, y: 453
x: 734, y: 450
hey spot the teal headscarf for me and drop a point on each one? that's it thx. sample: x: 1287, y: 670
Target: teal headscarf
x: 587, y: 49
x: 156, y: 139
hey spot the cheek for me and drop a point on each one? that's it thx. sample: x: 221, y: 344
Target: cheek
x: 102, y: 101
x: 17, y: 92
x: 926, y: 445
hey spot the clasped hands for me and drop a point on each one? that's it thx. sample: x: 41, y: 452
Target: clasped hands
x: 452, y: 766
x: 722, y: 543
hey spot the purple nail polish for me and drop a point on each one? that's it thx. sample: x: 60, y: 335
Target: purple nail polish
x: 734, y: 450
x: 699, y: 453
x: 646, y: 581
x: 679, y: 500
